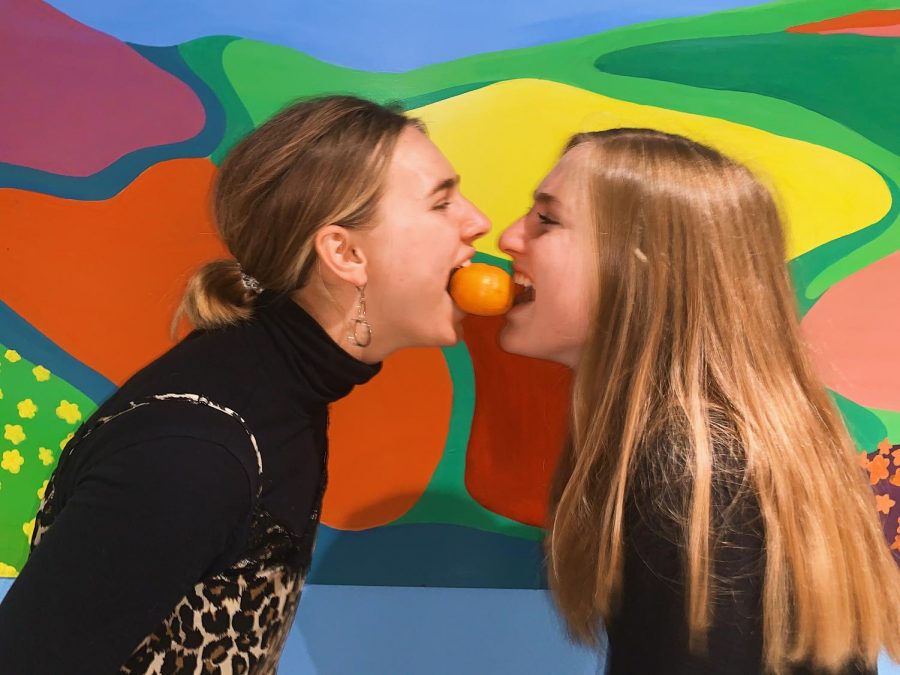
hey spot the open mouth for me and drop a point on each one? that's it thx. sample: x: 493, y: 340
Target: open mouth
x: 524, y: 289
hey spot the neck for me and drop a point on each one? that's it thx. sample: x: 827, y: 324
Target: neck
x: 334, y: 308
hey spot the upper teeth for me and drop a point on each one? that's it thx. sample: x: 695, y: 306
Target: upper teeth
x: 466, y: 263
x: 522, y: 280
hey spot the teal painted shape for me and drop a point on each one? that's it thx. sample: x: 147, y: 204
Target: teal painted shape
x: 865, y: 427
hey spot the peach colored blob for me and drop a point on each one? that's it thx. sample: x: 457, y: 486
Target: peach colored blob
x: 518, y: 428
x: 102, y: 279
x: 853, y: 334
x: 872, y: 18
x: 386, y: 440
x: 872, y: 31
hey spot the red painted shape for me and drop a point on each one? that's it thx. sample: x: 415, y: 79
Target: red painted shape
x: 868, y: 19
x: 518, y: 427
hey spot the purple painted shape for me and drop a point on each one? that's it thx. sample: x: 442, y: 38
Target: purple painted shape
x: 890, y: 487
x: 75, y: 100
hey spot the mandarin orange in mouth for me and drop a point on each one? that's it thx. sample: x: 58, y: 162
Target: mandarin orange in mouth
x: 481, y: 289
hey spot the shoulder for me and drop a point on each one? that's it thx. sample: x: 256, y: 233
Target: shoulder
x: 169, y: 439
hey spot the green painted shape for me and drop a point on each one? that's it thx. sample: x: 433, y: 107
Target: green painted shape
x: 422, y: 100
x: 204, y: 57
x: 865, y: 427
x: 817, y: 270
x: 294, y: 75
x: 891, y: 421
x: 18, y: 491
x: 842, y: 77
x: 489, y: 259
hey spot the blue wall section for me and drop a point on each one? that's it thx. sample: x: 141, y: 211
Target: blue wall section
x: 387, y: 36
x: 344, y: 630
x: 368, y: 630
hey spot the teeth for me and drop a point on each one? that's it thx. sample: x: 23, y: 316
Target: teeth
x: 466, y: 263
x: 522, y: 280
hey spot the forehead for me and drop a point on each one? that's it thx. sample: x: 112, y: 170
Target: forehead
x: 565, y: 179
x: 417, y: 165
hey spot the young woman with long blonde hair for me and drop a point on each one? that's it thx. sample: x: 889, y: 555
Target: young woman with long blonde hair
x: 709, y: 509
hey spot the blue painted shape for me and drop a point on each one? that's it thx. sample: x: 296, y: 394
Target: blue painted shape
x: 344, y: 630
x: 379, y: 630
x: 16, y: 333
x: 428, y: 554
x: 390, y: 36
x: 111, y: 180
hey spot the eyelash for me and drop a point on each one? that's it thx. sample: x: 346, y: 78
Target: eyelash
x: 443, y: 206
x: 546, y: 220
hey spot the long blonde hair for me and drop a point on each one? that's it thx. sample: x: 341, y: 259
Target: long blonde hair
x: 695, y: 359
x: 317, y: 162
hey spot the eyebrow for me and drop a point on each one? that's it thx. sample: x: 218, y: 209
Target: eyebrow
x: 446, y: 184
x: 545, y: 198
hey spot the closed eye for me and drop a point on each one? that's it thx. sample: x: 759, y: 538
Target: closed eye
x: 546, y: 220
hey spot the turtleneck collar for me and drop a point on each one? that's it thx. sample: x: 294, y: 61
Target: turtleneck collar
x: 324, y: 372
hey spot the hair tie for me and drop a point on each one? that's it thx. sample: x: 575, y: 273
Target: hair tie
x: 250, y: 282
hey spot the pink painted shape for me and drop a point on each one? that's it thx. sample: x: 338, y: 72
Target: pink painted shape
x: 873, y: 31
x: 854, y: 334
x: 75, y: 100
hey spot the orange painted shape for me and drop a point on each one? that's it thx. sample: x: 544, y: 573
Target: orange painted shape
x: 386, y: 440
x: 518, y: 428
x: 102, y: 279
x: 867, y: 19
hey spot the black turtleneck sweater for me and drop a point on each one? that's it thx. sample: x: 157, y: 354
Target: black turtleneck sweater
x: 157, y: 501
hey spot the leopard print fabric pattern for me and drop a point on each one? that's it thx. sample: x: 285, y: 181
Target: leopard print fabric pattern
x: 233, y: 622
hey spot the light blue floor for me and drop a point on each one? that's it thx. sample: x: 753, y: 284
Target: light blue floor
x: 380, y: 630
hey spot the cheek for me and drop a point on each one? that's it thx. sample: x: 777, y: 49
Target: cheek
x: 569, y: 291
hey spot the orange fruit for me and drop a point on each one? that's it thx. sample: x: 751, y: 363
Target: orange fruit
x: 482, y: 289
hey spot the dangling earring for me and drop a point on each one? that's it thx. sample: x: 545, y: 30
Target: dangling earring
x: 361, y: 320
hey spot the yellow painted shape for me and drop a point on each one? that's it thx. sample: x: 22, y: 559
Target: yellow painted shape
x: 504, y: 138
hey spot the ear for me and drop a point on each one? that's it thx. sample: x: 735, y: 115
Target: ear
x: 338, y: 253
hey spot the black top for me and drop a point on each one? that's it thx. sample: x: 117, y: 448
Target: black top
x: 160, y: 500
x: 648, y: 633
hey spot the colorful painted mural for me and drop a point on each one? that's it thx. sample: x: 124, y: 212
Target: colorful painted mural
x: 114, y: 116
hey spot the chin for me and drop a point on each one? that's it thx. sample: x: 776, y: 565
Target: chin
x: 508, y: 342
x: 453, y: 337
x: 511, y: 345
x: 448, y: 337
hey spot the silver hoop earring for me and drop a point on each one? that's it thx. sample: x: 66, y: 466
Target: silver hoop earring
x: 365, y: 339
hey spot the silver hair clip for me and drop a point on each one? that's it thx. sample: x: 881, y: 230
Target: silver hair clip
x: 251, y: 284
